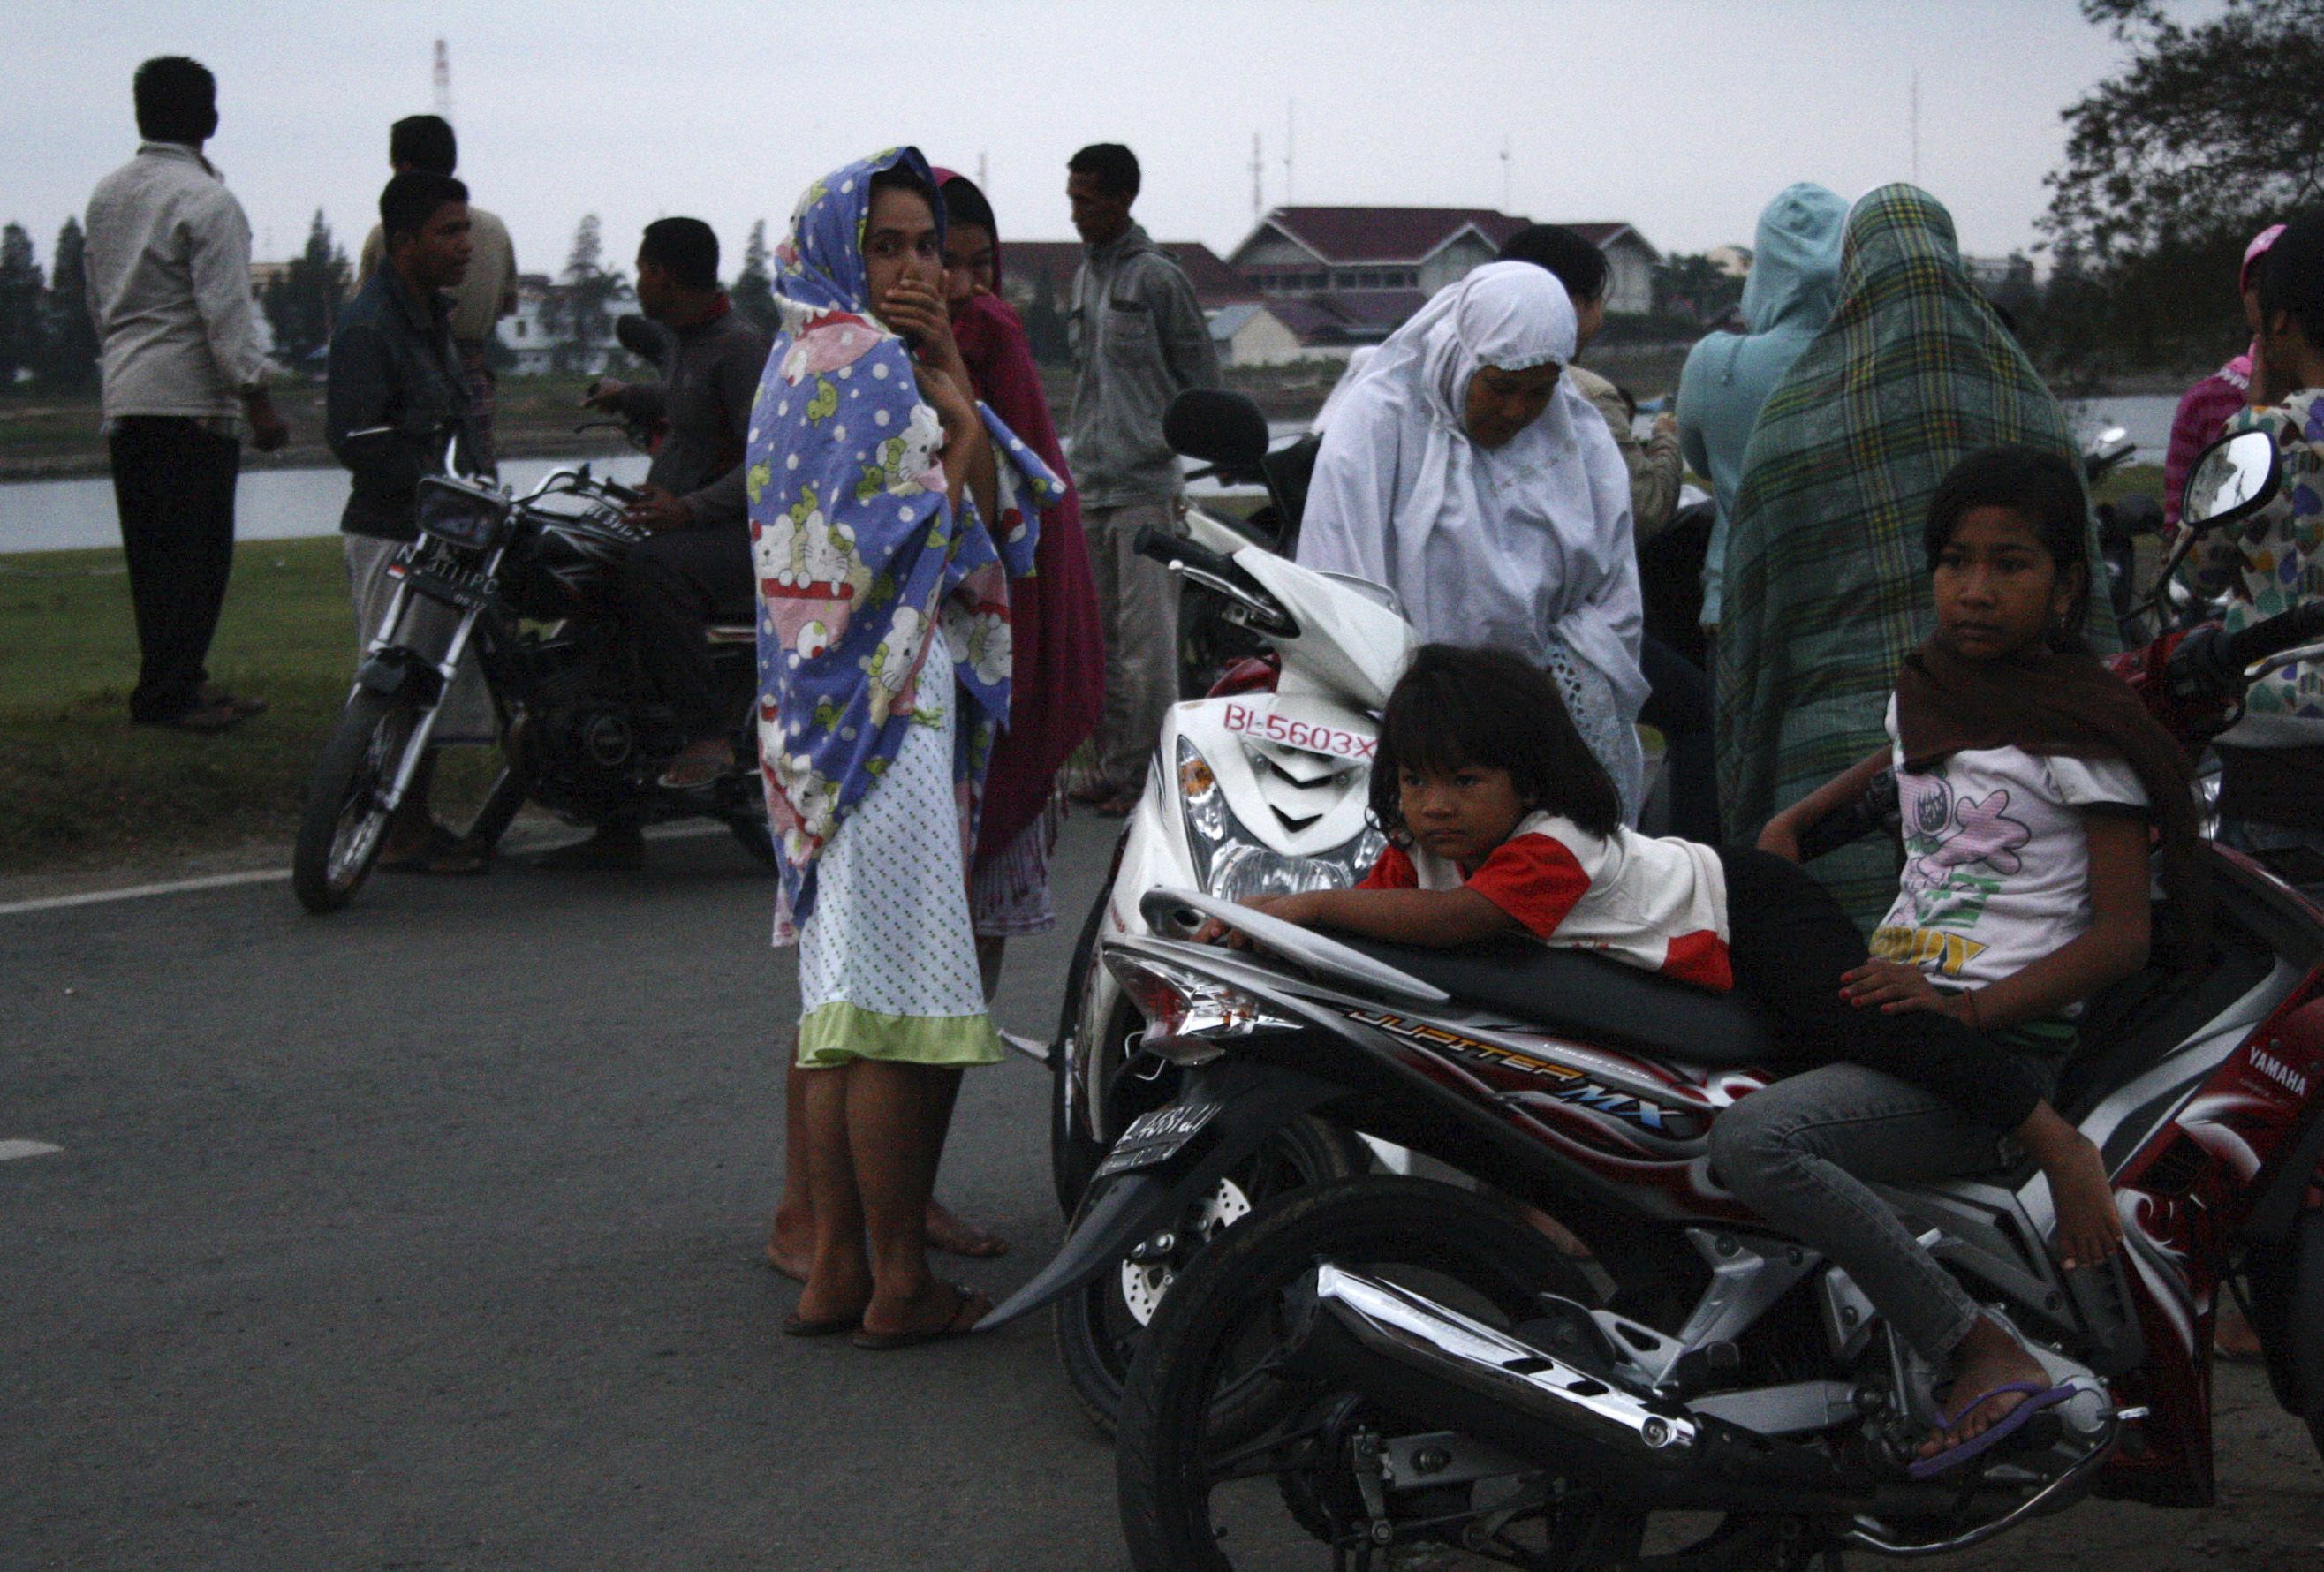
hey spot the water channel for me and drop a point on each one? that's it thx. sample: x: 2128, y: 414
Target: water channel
x: 281, y: 504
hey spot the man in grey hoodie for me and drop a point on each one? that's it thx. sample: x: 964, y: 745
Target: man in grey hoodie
x: 1140, y: 339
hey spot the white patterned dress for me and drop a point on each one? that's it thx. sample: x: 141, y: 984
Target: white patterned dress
x: 886, y: 958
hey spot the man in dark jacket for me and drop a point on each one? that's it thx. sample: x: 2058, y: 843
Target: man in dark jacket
x: 398, y: 392
x: 1140, y: 340
x: 695, y: 565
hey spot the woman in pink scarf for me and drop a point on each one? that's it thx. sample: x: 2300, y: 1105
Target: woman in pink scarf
x: 2203, y: 414
x: 1059, y: 681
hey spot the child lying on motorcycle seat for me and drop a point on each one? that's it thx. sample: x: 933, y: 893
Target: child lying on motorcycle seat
x: 1500, y: 821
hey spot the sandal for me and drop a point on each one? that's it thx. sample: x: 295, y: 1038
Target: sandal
x: 970, y: 1307
x: 691, y: 771
x: 243, y: 706
x: 443, y: 854
x: 202, y: 718
x: 2038, y: 1398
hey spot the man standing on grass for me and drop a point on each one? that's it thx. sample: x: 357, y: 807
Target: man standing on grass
x: 487, y: 292
x: 398, y: 392
x: 168, y: 261
x: 1140, y: 340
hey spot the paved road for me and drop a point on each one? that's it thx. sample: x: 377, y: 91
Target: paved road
x: 426, y: 1236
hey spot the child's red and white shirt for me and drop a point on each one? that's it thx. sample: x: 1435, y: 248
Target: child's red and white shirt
x: 1657, y: 904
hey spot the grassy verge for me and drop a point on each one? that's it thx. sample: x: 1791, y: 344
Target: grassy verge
x: 87, y: 789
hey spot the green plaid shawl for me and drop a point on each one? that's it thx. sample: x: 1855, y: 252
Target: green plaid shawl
x: 1827, y: 581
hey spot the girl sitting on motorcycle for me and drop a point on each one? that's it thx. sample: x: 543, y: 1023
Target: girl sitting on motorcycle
x: 1499, y: 820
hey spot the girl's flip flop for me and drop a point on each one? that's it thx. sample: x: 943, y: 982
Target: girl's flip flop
x: 970, y: 1307
x: 2038, y: 1397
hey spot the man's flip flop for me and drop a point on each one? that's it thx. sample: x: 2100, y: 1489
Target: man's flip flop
x: 2038, y: 1397
x: 972, y: 1308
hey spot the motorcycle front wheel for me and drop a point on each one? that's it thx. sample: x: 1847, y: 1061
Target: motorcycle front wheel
x: 1199, y: 1497
x: 344, y: 821
x: 1100, y: 1325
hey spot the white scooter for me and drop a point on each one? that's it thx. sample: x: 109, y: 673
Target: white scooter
x: 1261, y: 788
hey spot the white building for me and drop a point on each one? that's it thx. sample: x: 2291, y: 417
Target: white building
x: 1249, y: 333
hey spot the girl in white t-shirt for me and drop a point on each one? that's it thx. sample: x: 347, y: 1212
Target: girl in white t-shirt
x: 1500, y: 821
x: 2030, y: 777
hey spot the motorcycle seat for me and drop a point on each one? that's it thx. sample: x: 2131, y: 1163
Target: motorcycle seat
x: 1576, y: 994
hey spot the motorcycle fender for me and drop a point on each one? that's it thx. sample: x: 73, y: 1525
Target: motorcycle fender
x: 393, y: 672
x: 1253, y: 1101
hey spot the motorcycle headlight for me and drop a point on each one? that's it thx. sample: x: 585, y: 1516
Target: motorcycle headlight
x: 1232, y: 864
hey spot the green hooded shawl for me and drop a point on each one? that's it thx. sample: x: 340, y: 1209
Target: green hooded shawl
x: 1827, y: 578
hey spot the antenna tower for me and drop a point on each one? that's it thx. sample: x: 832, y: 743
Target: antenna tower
x: 1290, y: 151
x: 1258, y: 169
x: 1505, y: 164
x: 1916, y: 128
x: 443, y: 79
x: 980, y: 174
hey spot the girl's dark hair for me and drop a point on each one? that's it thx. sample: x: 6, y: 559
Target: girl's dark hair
x: 964, y: 204
x: 2290, y: 275
x: 1457, y: 706
x: 2040, y: 487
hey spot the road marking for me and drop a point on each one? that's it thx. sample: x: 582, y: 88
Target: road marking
x: 12, y: 1150
x: 273, y: 875
x: 140, y: 891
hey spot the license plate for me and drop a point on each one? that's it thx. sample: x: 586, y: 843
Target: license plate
x: 1156, y: 1138
x: 1262, y: 719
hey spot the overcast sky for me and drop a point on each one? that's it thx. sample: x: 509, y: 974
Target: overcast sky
x: 1681, y: 116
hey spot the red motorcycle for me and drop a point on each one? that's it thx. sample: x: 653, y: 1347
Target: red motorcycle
x: 1393, y: 1359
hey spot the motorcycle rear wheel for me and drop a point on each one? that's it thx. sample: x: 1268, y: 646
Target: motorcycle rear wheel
x: 1230, y: 1293
x: 344, y: 824
x: 1099, y: 1326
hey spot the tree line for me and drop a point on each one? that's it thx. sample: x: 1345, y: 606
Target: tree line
x: 46, y: 338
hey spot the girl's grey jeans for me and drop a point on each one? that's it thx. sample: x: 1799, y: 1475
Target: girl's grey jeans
x: 1799, y: 1152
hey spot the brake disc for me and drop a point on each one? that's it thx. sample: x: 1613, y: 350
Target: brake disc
x: 1146, y: 1274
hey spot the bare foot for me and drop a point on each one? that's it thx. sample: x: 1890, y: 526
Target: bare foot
x: 791, y: 1243
x: 2089, y: 1227
x: 1986, y: 1358
x: 956, y: 1235
x: 2233, y: 1337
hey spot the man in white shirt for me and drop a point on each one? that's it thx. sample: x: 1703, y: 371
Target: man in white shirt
x: 169, y: 288
x: 486, y: 293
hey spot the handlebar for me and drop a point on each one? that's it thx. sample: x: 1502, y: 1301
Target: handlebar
x: 2301, y: 625
x: 1204, y: 566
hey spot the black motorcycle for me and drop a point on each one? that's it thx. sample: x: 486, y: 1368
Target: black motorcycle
x: 530, y: 582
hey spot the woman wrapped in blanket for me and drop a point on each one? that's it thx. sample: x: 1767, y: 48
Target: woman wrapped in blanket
x: 1822, y: 598
x: 888, y: 512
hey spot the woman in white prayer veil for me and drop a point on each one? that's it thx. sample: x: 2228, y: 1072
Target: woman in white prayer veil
x: 1464, y: 473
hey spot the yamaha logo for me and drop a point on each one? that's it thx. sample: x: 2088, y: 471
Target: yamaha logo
x: 2278, y: 1072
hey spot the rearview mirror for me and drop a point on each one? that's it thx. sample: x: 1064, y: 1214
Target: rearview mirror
x: 1216, y: 427
x: 2232, y: 479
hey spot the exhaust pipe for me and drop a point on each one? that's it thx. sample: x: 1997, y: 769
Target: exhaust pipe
x: 1433, y: 1363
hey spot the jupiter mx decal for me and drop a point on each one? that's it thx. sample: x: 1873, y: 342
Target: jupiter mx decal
x: 1576, y: 1088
